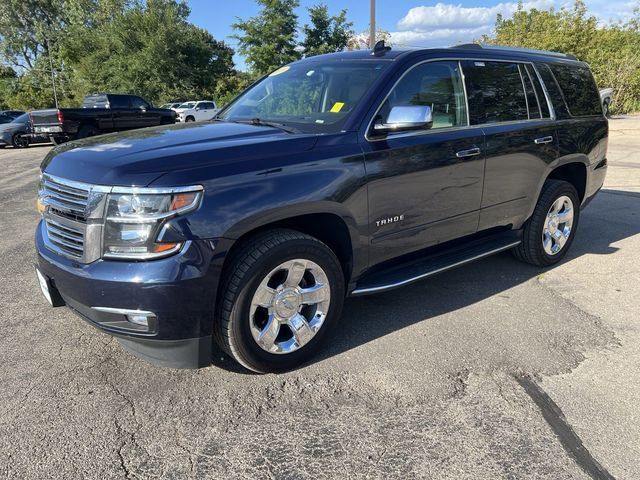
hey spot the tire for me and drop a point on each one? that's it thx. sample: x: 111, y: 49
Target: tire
x: 18, y: 141
x: 605, y: 108
x: 544, y: 227
x: 58, y: 140
x: 88, y: 131
x: 189, y: 119
x: 267, y: 263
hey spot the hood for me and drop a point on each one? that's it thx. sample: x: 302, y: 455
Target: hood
x: 138, y: 157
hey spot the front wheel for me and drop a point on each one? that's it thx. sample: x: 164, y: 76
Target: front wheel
x: 549, y: 232
x: 280, y: 296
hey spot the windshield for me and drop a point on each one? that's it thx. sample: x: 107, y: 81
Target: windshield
x: 311, y: 97
x: 187, y: 105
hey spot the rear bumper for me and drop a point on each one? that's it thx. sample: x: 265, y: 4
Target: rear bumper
x: 176, y: 294
x: 595, y: 180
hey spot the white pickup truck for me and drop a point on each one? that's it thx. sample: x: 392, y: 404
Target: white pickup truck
x: 197, y: 111
x: 605, y: 97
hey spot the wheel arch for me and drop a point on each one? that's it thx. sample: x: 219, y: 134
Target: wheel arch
x: 572, y: 169
x: 574, y: 172
x: 326, y: 223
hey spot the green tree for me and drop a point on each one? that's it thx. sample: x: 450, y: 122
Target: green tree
x: 326, y: 34
x: 228, y: 86
x: 268, y: 40
x: 138, y: 46
x: 150, y: 49
x: 7, y: 81
x: 611, y: 50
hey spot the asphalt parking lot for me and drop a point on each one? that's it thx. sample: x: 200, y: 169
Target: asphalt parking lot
x: 493, y: 370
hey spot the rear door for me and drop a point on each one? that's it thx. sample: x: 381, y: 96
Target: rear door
x: 508, y: 101
x: 205, y: 111
x: 424, y: 187
x: 124, y: 117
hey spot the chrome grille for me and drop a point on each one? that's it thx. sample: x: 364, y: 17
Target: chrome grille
x: 68, y: 239
x: 66, y: 200
x: 72, y: 217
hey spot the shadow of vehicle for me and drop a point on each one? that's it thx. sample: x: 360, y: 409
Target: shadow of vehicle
x: 614, y: 215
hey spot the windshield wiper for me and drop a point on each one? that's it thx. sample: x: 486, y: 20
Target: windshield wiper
x: 266, y: 123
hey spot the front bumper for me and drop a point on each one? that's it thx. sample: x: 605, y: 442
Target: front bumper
x: 6, y: 138
x: 179, y: 292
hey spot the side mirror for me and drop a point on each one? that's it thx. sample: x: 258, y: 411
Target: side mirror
x: 405, y: 118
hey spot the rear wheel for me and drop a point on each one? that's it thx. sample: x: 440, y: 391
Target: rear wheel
x: 549, y: 232
x: 19, y: 141
x: 280, y: 296
x: 88, y: 131
x: 58, y: 140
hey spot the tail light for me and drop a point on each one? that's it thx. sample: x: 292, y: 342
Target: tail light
x: 60, y: 117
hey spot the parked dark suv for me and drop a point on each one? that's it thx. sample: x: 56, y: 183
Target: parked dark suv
x: 342, y: 174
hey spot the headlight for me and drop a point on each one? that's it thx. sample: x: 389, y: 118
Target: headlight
x: 136, y: 216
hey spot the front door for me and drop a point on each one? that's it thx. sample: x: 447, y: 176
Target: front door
x: 424, y: 187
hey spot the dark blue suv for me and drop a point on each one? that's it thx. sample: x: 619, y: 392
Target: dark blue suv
x: 343, y: 174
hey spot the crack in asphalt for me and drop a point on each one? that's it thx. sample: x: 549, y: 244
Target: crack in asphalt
x: 570, y: 440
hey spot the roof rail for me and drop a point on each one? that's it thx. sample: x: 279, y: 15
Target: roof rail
x: 483, y: 46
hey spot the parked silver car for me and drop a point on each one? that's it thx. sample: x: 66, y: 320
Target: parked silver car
x: 13, y: 132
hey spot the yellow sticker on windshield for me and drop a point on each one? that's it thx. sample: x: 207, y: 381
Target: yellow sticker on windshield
x: 279, y: 71
x: 337, y: 107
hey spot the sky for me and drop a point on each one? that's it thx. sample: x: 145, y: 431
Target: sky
x: 412, y: 23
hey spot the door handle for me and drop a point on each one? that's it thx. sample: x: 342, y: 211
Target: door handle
x: 543, y: 140
x: 472, y: 152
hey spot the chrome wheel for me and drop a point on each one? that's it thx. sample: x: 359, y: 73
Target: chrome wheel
x: 289, y: 306
x: 557, y: 225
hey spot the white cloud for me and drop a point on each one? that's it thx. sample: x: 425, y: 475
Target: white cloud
x: 446, y: 23
x: 444, y: 15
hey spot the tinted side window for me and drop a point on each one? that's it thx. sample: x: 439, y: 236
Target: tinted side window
x: 555, y: 95
x: 95, y: 101
x: 137, y: 102
x: 542, y: 99
x: 434, y: 84
x: 119, y: 101
x: 532, y: 100
x: 579, y: 89
x: 495, y: 92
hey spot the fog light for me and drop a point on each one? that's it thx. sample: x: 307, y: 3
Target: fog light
x: 139, y: 320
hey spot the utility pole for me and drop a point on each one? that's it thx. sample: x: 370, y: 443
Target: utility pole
x: 53, y: 77
x: 372, y: 25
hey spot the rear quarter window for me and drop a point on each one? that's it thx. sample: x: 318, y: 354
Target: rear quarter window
x: 95, y: 101
x: 579, y: 89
